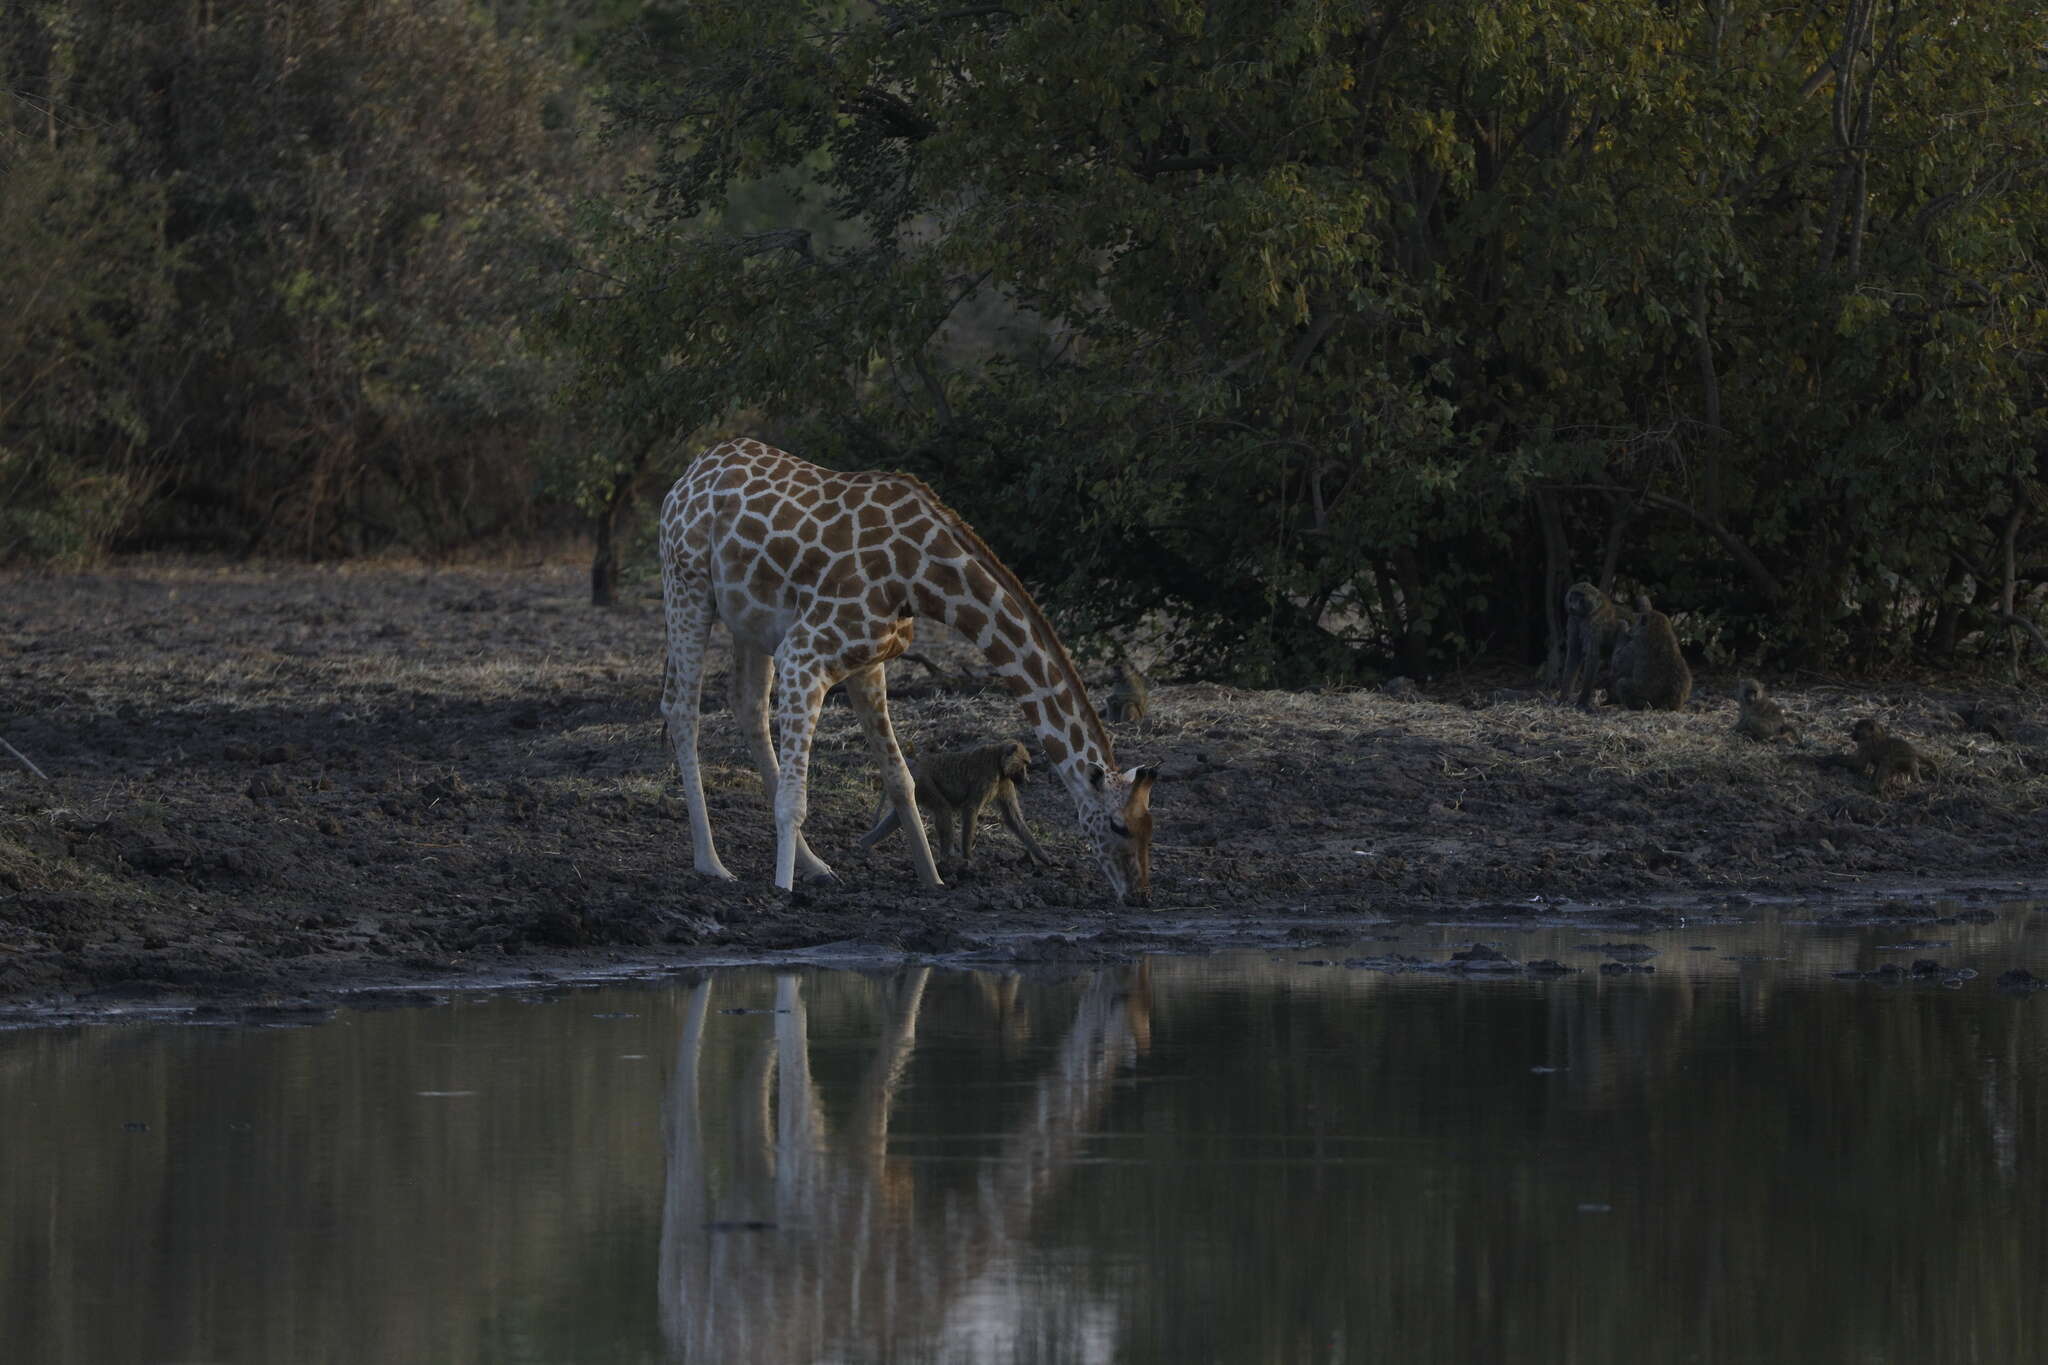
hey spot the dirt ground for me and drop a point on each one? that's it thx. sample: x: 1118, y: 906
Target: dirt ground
x: 273, y: 785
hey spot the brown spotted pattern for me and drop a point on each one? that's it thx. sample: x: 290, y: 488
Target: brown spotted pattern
x: 818, y: 576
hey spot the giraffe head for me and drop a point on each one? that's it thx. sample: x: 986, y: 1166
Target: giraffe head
x: 1116, y: 815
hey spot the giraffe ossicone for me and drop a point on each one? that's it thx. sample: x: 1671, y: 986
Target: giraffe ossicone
x: 819, y: 577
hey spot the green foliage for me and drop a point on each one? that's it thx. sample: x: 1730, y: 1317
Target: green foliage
x: 1273, y: 318
x: 1325, y: 338
x: 347, y: 188
x: 88, y: 322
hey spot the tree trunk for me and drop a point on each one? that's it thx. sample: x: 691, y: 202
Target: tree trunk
x: 1411, y: 650
x: 1948, y: 614
x: 1557, y: 567
x: 604, y: 563
x: 1610, y: 561
x: 2008, y: 570
x: 1710, y: 402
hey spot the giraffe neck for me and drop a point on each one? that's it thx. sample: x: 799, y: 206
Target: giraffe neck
x: 1007, y: 626
x: 1070, y: 733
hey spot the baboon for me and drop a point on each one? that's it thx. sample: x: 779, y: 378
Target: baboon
x: 1130, y: 699
x: 1623, y: 663
x: 1649, y: 671
x: 1760, y: 717
x: 2006, y: 724
x: 1884, y: 755
x: 956, y: 787
x: 1591, y: 624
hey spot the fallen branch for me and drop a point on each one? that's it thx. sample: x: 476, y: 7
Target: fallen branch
x: 29, y: 763
x: 945, y: 682
x: 940, y: 680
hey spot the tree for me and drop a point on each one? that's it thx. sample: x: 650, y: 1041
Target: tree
x: 1277, y: 317
x: 84, y: 331
x: 347, y: 187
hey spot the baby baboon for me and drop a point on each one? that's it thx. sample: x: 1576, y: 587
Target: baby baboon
x: 1884, y: 755
x: 1130, y: 699
x: 956, y: 787
x: 1591, y: 623
x: 1760, y: 717
x: 1649, y: 671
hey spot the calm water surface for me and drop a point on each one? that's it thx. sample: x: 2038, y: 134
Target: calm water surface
x: 1235, y: 1158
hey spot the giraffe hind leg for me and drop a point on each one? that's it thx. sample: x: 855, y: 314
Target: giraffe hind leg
x: 686, y: 602
x: 752, y: 675
x: 867, y: 691
x: 800, y: 694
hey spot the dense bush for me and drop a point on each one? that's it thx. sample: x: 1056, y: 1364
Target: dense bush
x: 1352, y: 333
x: 1321, y: 339
x: 84, y: 331
x: 276, y: 289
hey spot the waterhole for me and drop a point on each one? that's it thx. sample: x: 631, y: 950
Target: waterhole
x: 1701, y: 1143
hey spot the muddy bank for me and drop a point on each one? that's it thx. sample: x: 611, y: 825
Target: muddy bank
x: 274, y: 784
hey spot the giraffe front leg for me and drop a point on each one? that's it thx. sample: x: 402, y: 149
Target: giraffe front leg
x: 867, y: 690
x: 802, y: 693
x: 752, y: 672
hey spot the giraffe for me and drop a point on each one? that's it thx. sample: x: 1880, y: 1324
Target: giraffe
x: 819, y: 577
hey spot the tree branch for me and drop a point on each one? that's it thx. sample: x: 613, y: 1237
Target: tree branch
x: 934, y: 389
x: 1738, y: 551
x: 891, y: 109
x: 900, y: 19
x: 1319, y: 327
x: 793, y: 239
x: 1167, y: 165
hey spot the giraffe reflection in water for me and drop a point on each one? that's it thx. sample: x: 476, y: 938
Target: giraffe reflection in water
x: 784, y: 1241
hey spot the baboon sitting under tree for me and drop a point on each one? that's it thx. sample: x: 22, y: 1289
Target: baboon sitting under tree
x: 1591, y: 624
x: 1131, y: 698
x: 1650, y: 674
x: 956, y: 787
